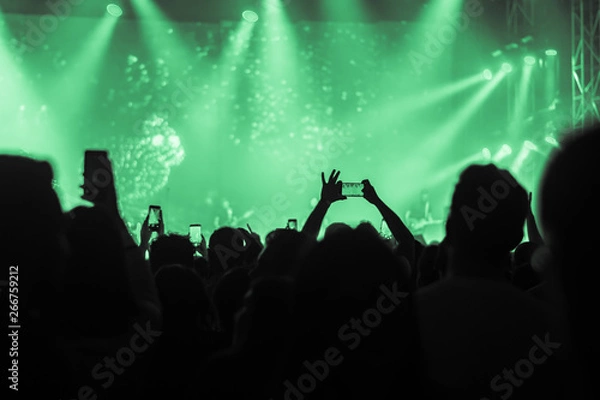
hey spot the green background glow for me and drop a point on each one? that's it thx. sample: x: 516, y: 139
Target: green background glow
x: 232, y: 122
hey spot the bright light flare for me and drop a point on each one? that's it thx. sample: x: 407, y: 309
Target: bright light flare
x: 114, y: 10
x: 552, y: 141
x: 504, y: 152
x: 486, y: 154
x: 530, y: 60
x: 250, y: 16
x: 530, y: 145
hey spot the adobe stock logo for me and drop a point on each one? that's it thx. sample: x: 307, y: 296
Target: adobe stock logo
x: 139, y: 343
x: 351, y: 335
x: 48, y: 23
x: 488, y: 199
x: 99, y: 179
x: 524, y: 368
x: 445, y: 34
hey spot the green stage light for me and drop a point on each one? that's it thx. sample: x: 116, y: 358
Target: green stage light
x: 250, y: 16
x: 551, y: 52
x: 530, y: 60
x: 552, y: 141
x: 114, y: 10
x: 530, y: 145
x: 488, y: 75
x: 504, y: 152
x: 527, y: 39
x: 507, y: 68
x: 486, y: 154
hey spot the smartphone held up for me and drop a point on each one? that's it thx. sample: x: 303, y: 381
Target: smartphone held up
x: 352, y: 189
x: 97, y: 175
x: 292, y: 224
x: 154, y: 217
x: 195, y: 233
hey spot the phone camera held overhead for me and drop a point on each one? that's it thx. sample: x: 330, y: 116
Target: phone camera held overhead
x: 154, y: 217
x: 292, y: 224
x: 352, y: 189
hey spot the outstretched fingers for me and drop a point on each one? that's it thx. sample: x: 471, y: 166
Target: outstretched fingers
x: 336, y: 176
x: 331, y: 176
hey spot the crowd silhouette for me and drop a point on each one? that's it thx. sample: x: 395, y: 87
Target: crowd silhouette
x: 482, y: 314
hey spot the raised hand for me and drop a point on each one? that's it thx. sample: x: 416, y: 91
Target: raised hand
x: 331, y: 190
x: 533, y: 231
x: 103, y: 192
x: 530, y: 197
x: 145, y: 233
x: 369, y: 192
x: 251, y: 238
x: 161, y: 224
x: 202, y: 248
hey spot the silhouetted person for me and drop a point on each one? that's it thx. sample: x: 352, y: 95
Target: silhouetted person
x: 230, y: 248
x: 350, y: 306
x: 569, y: 220
x: 186, y: 339
x: 251, y: 366
x: 523, y: 274
x: 34, y: 252
x: 283, y: 249
x: 98, y: 307
x: 171, y: 249
x: 228, y: 298
x: 474, y: 323
x: 427, y: 266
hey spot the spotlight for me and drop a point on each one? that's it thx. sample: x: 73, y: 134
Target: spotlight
x: 250, y: 16
x: 551, y: 52
x: 507, y: 68
x: 530, y: 145
x: 527, y: 39
x: 530, y: 60
x: 486, y: 153
x: 114, y: 10
x: 504, y: 152
x: 552, y: 141
x: 487, y: 75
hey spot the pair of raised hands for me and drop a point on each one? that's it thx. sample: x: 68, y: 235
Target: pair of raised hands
x: 331, y: 190
x: 146, y: 234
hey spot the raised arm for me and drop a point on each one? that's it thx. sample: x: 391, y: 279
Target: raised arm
x: 405, y: 239
x: 532, y: 229
x: 331, y: 192
x: 142, y: 281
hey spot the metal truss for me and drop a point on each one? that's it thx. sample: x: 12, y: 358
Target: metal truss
x: 585, y: 67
